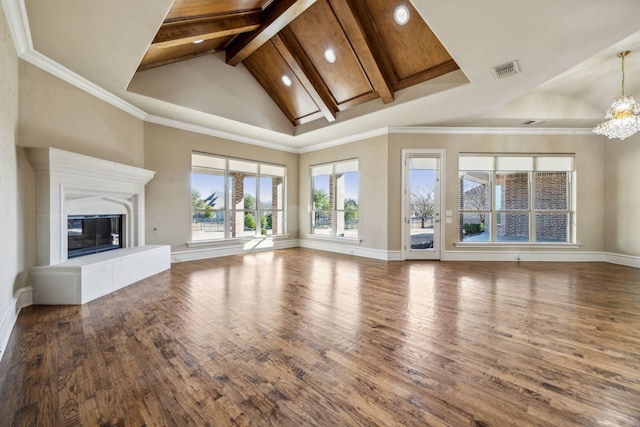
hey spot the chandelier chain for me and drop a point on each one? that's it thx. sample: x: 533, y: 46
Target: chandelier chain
x: 622, y: 55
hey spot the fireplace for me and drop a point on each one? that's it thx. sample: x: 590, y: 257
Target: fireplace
x: 71, y: 186
x: 93, y: 207
x: 90, y: 234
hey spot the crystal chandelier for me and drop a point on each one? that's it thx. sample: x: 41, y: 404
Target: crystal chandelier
x: 622, y: 118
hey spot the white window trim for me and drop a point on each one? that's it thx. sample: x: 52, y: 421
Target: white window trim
x: 571, y: 208
x: 341, y: 166
x: 231, y: 241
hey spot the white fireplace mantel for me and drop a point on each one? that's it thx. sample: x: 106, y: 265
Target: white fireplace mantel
x: 74, y: 184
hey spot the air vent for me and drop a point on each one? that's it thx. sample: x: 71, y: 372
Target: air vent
x: 534, y: 122
x: 505, y: 70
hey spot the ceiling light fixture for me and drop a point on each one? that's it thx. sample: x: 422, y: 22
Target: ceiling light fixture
x: 197, y: 41
x: 623, y: 120
x: 287, y: 80
x: 330, y: 56
x: 401, y: 15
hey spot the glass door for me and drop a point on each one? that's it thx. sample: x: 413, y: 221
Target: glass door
x: 421, y: 213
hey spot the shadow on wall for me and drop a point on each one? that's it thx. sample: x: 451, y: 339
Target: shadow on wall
x: 25, y: 219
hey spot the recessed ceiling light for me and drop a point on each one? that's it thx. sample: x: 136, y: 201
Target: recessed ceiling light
x: 401, y: 15
x: 197, y: 41
x: 287, y: 80
x: 330, y: 55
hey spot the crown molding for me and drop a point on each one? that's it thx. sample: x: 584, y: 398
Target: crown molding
x: 345, y: 140
x: 489, y: 131
x: 16, y: 14
x: 18, y: 22
x: 177, y: 124
x: 63, y: 73
x: 423, y: 130
x: 21, y: 33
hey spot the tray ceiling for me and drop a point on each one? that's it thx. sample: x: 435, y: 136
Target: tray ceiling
x: 313, y: 58
x: 566, y: 53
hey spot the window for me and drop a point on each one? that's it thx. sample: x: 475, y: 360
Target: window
x: 334, y: 188
x: 235, y: 198
x: 517, y: 198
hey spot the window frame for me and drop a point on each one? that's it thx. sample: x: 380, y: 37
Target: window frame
x: 334, y: 213
x: 538, y: 164
x: 229, y: 167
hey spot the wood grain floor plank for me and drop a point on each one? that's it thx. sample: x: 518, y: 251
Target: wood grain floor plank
x: 298, y: 337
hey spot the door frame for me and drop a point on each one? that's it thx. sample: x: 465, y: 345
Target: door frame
x: 437, y: 242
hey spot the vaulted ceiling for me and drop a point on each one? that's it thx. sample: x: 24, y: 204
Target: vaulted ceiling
x: 313, y: 58
x: 435, y: 71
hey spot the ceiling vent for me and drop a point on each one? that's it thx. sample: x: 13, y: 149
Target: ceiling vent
x: 506, y: 70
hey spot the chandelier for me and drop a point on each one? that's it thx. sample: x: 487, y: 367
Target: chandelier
x: 622, y: 118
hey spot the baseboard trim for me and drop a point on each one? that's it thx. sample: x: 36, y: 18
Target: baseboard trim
x: 546, y: 256
x: 466, y: 255
x: 336, y: 247
x: 22, y: 298
x: 628, y: 260
x: 255, y: 245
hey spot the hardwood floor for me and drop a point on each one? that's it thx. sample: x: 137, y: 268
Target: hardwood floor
x: 299, y: 337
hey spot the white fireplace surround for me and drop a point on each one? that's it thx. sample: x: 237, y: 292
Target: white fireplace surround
x: 74, y: 184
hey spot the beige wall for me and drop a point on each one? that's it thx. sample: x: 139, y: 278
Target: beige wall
x: 380, y: 164
x: 373, y: 192
x: 168, y: 195
x: 622, y: 198
x: 12, y: 265
x: 589, y: 155
x: 53, y: 113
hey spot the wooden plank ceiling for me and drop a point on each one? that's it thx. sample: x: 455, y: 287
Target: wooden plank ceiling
x: 374, y: 56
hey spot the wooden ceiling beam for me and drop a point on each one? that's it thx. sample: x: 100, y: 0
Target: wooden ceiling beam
x: 354, y: 30
x: 299, y: 64
x: 206, y: 28
x: 277, y: 16
x: 160, y: 63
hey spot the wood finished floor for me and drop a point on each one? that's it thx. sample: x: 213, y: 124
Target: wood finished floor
x: 299, y: 337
